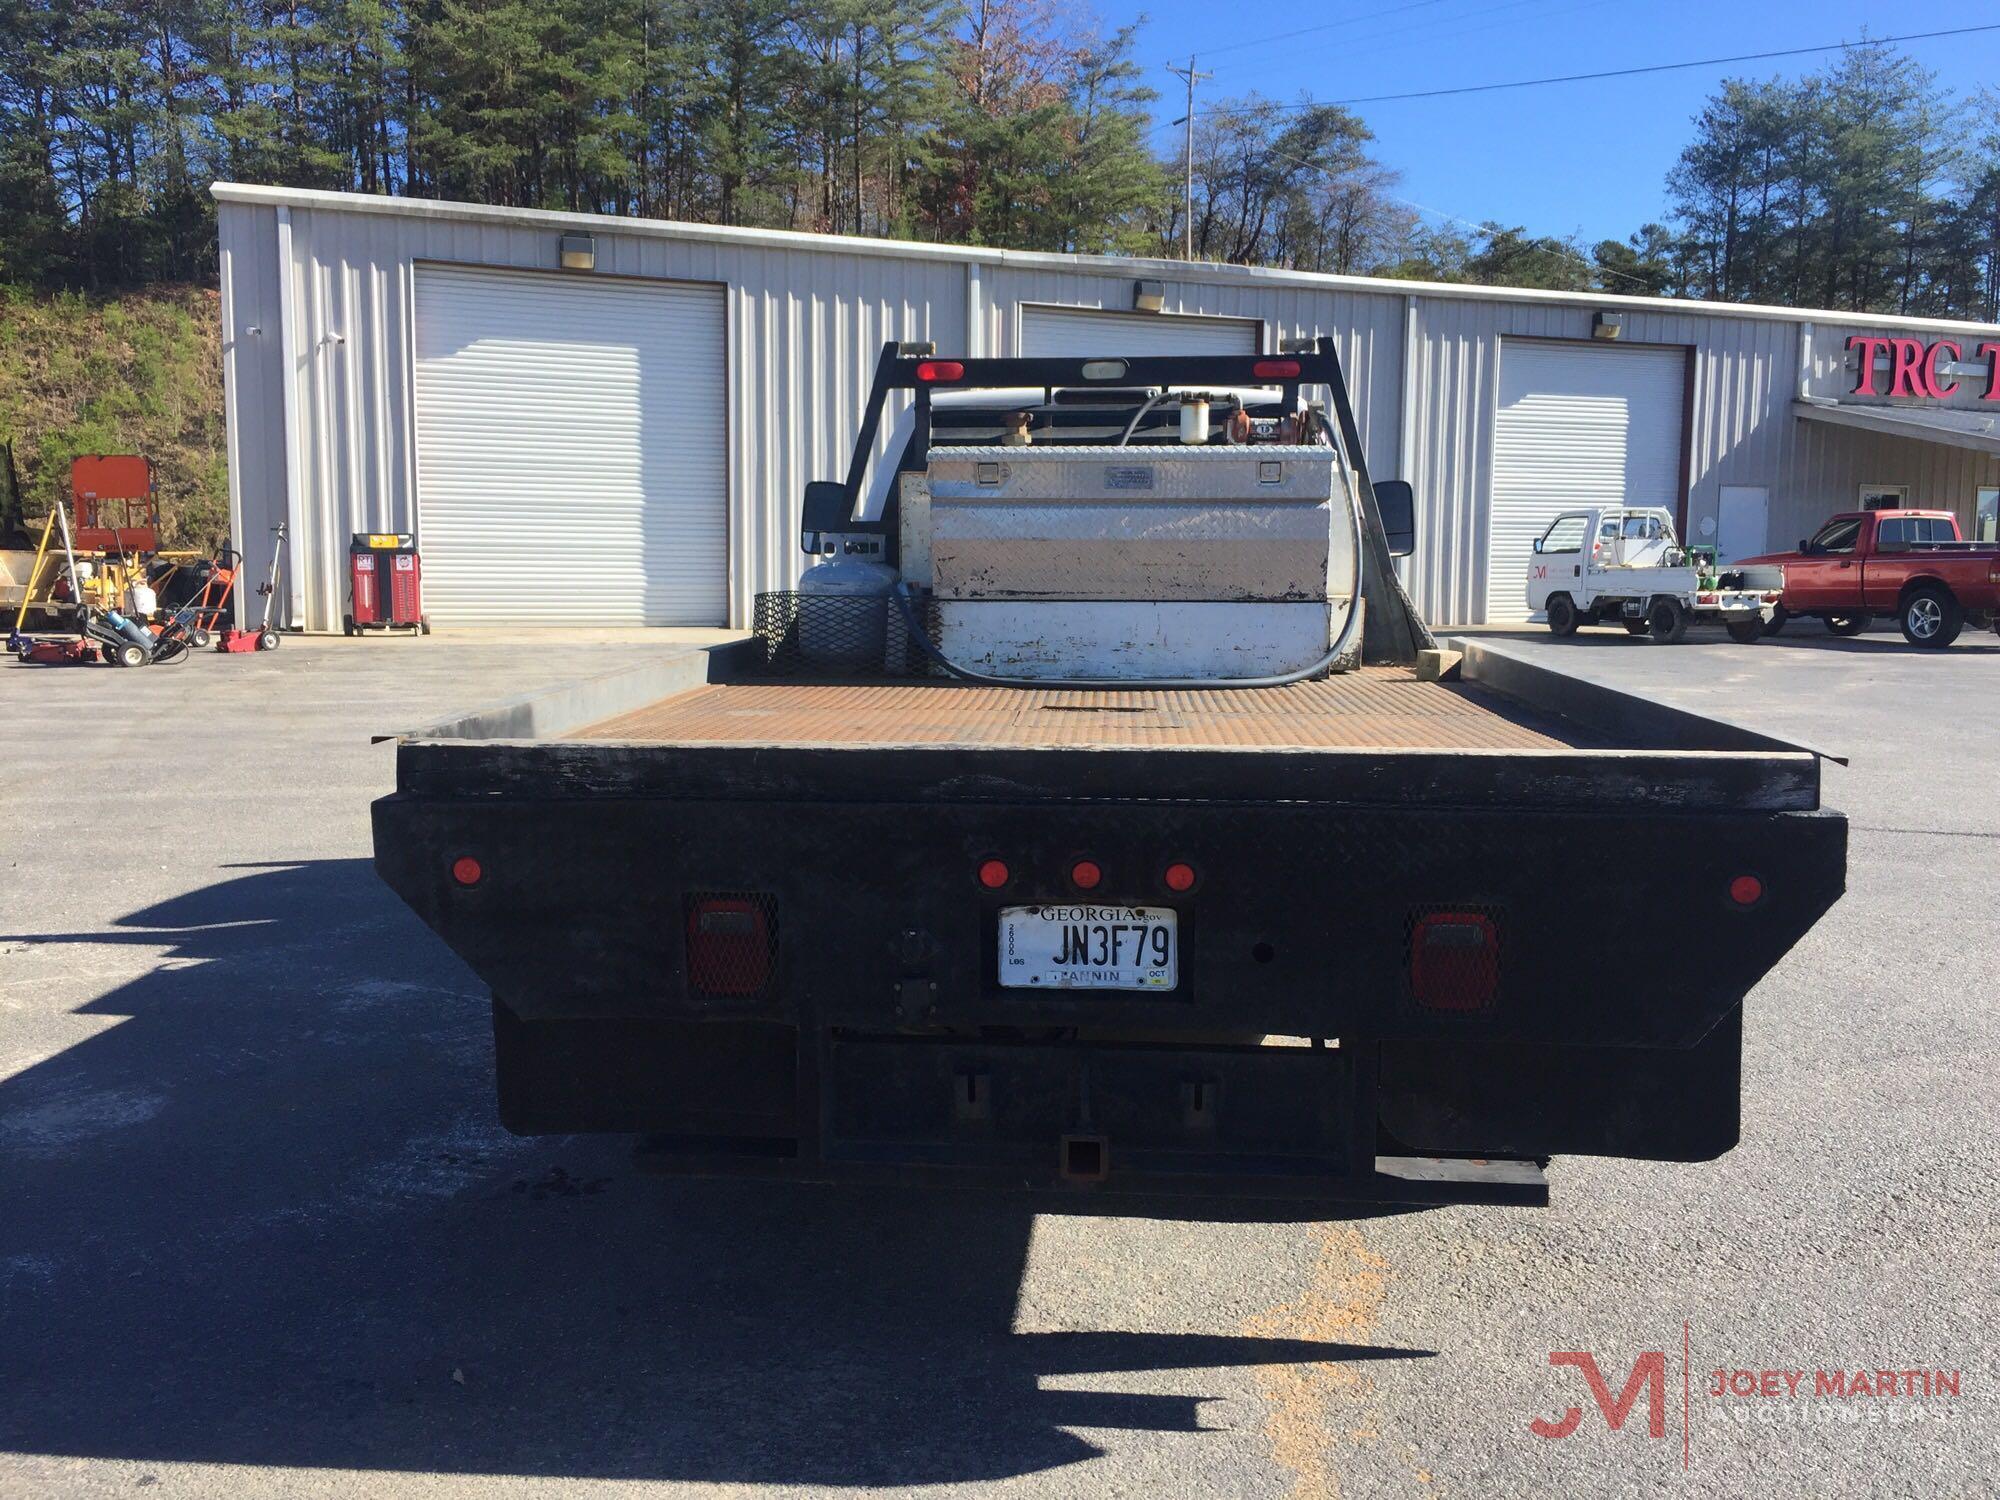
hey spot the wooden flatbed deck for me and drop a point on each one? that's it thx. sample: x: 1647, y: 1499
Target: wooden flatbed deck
x: 1376, y: 708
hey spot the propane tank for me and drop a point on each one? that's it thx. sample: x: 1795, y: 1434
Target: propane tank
x: 844, y: 613
x: 141, y: 602
x: 134, y: 632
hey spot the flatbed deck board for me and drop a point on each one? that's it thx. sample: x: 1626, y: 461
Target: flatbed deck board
x: 1375, y: 708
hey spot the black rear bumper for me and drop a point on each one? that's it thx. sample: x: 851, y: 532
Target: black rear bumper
x: 1292, y: 1058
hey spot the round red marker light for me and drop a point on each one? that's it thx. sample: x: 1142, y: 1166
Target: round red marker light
x: 1746, y: 890
x: 993, y: 874
x: 467, y: 871
x: 1180, y: 877
x: 1085, y: 875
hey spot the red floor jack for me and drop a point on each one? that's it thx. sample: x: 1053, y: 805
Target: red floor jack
x: 263, y: 638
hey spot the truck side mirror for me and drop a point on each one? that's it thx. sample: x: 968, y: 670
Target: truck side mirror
x: 827, y: 508
x: 1396, y: 503
x: 1538, y: 544
x: 1804, y: 545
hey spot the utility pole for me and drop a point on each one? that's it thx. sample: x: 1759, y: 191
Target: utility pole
x: 1192, y: 77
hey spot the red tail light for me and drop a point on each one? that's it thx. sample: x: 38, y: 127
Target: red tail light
x: 1085, y: 875
x: 1275, y: 369
x: 993, y: 873
x: 934, y: 370
x: 467, y: 871
x: 729, y: 945
x: 1746, y: 890
x: 1180, y: 877
x: 1455, y: 961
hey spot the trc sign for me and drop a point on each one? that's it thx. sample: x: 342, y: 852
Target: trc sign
x: 1927, y: 372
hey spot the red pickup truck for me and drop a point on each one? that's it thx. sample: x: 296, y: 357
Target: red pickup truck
x: 1911, y: 564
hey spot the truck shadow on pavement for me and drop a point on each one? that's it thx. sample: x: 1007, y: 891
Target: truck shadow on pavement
x: 267, y: 1218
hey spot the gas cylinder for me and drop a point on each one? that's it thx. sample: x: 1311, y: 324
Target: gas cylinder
x: 844, y: 613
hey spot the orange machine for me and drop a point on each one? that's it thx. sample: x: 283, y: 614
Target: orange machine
x: 114, y: 506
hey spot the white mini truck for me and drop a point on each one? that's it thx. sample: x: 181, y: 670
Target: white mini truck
x: 1624, y: 565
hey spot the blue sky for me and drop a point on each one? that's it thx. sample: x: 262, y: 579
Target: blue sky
x: 1579, y: 158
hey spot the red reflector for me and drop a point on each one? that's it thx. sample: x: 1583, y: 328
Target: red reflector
x: 1275, y: 369
x: 994, y: 873
x: 940, y: 369
x: 466, y: 870
x: 1746, y: 890
x: 728, y: 945
x: 1085, y: 875
x: 1180, y: 877
x: 1454, y: 960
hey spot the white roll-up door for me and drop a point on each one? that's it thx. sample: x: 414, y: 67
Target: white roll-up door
x: 1578, y: 424
x: 1085, y: 333
x: 571, y: 440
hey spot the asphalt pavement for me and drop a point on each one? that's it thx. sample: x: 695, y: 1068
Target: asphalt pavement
x: 261, y: 1235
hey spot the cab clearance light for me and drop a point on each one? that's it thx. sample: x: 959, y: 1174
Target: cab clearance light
x: 1104, y: 369
x: 1085, y: 875
x: 934, y: 370
x: 1746, y: 890
x: 467, y: 871
x: 1455, y: 961
x: 993, y: 874
x: 1180, y: 877
x: 1275, y: 369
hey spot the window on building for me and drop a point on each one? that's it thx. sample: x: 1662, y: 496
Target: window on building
x: 1565, y: 534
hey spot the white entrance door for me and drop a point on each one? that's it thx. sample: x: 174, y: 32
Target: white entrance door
x: 1577, y: 425
x: 571, y: 434
x: 1742, y: 522
x: 1087, y: 333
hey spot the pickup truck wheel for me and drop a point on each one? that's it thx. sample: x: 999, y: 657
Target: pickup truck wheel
x: 1847, y: 624
x: 1777, y: 621
x: 1930, y: 616
x: 1636, y: 627
x: 1668, y: 622
x: 1744, y: 632
x: 1562, y: 615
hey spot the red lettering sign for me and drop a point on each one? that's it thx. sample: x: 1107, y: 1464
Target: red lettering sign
x: 1913, y: 367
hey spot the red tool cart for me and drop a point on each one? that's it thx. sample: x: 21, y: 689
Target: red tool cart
x: 387, y: 582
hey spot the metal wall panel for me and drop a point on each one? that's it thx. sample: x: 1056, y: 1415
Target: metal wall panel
x: 1063, y: 331
x: 807, y: 316
x: 805, y: 327
x: 571, y: 449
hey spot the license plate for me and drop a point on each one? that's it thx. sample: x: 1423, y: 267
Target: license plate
x: 1089, y: 948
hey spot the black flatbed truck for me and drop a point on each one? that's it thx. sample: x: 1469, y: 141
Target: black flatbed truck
x: 749, y: 920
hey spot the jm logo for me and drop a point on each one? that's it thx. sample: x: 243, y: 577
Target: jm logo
x: 1649, y: 1373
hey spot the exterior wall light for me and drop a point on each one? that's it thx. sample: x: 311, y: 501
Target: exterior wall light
x: 1606, y: 325
x: 579, y: 253
x: 1149, y: 296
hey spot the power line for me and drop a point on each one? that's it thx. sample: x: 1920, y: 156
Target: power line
x: 1299, y: 31
x: 1705, y: 62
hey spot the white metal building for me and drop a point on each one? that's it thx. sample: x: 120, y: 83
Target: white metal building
x: 628, y: 443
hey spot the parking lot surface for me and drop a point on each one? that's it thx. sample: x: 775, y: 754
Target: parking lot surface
x: 260, y: 1234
